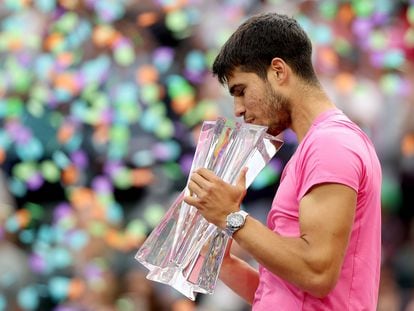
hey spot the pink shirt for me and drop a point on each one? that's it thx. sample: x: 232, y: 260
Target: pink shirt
x: 334, y: 150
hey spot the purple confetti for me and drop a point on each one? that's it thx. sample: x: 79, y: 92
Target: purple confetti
x: 362, y: 27
x: 35, y: 182
x: 79, y: 158
x: 102, y: 184
x: 185, y: 162
x: 112, y: 167
x: 37, y: 263
x: 63, y: 210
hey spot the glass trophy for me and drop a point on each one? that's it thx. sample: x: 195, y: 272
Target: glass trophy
x: 185, y: 251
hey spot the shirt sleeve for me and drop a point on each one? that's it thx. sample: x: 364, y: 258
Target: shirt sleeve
x: 329, y: 157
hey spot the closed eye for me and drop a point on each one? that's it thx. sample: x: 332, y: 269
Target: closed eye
x: 237, y: 90
x: 239, y: 93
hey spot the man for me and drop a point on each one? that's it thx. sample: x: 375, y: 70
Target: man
x: 321, y: 247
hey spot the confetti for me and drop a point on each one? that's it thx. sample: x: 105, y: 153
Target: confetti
x: 28, y: 298
x: 100, y: 102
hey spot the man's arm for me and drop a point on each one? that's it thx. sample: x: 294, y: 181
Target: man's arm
x: 242, y: 278
x: 312, y: 261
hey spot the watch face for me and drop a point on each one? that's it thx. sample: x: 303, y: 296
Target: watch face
x: 235, y: 220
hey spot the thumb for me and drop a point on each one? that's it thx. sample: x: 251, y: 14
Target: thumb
x: 241, y: 180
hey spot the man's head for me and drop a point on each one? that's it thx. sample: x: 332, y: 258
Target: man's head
x: 265, y: 63
x: 262, y: 38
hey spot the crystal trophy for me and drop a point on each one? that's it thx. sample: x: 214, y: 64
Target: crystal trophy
x: 185, y: 251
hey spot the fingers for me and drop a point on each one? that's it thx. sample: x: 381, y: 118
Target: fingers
x: 210, y: 176
x: 192, y: 201
x: 203, y: 181
x: 200, y: 185
x: 199, y: 179
x: 206, y: 174
x: 194, y: 188
x: 197, y: 186
x: 241, y: 180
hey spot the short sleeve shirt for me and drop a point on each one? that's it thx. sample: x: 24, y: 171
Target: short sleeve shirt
x: 335, y: 150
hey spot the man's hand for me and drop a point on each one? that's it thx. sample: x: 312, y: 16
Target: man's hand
x: 213, y: 197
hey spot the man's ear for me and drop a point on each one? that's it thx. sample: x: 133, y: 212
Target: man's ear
x: 279, y: 68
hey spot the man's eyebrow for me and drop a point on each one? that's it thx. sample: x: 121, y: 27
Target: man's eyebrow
x: 233, y: 88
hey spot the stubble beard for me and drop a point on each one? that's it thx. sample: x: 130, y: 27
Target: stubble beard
x: 278, y: 111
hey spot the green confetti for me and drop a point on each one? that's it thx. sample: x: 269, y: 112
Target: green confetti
x: 178, y: 86
x: 50, y: 171
x: 363, y: 8
x: 165, y: 129
x: 36, y: 211
x: 24, y: 170
x: 328, y: 9
x: 177, y: 21
x: 125, y: 304
x: 172, y: 170
x: 56, y: 119
x: 391, y: 195
x: 378, y: 40
x: 150, y: 93
x: 342, y: 47
x: 35, y: 108
x: 123, y: 178
x: 265, y: 178
x: 200, y: 112
x: 97, y: 228
x: 409, y: 37
x: 119, y: 133
x: 124, y: 55
x: 136, y: 228
x: 410, y: 14
x: 67, y: 22
x: 153, y: 214
x: 14, y: 107
x: 129, y: 113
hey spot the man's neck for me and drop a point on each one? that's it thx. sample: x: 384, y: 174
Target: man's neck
x: 308, y: 105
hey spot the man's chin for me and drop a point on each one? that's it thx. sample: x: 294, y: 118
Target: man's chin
x: 274, y: 132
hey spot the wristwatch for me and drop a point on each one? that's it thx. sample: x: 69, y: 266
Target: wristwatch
x: 235, y: 221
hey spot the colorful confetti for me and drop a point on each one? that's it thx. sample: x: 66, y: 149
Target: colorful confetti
x: 100, y: 105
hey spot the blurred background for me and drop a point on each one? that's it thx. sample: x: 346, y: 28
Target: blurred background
x: 100, y: 106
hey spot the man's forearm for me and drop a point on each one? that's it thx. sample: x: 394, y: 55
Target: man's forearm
x: 242, y: 278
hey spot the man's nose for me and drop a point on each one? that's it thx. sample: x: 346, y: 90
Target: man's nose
x: 238, y: 108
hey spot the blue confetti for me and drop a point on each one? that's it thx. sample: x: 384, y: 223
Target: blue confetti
x: 28, y: 298
x: 3, y: 303
x: 58, y: 287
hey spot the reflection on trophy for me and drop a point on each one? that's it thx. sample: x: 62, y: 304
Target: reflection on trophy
x: 184, y: 250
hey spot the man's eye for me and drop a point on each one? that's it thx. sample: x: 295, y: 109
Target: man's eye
x: 239, y: 92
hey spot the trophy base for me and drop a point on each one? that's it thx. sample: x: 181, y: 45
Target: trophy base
x: 173, y: 277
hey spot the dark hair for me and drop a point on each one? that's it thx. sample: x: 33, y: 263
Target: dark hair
x: 260, y: 39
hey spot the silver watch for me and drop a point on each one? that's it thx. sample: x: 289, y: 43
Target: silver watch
x: 235, y: 221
